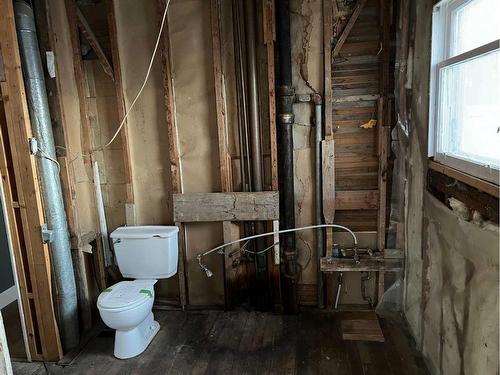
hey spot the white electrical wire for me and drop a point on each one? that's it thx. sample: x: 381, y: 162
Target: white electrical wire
x: 280, y: 232
x: 43, y: 154
x: 145, y: 80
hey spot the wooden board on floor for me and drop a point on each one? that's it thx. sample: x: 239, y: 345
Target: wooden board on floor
x: 361, y: 330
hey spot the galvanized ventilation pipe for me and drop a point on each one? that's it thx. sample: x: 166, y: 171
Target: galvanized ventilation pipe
x: 65, y: 287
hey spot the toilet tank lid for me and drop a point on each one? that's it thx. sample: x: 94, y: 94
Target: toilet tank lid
x: 147, y: 231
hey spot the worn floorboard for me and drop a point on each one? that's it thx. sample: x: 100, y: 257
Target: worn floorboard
x: 240, y: 342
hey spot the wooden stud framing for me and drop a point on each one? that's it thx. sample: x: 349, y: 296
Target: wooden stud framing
x: 120, y: 102
x: 230, y: 231
x: 87, y: 32
x: 26, y: 179
x: 347, y: 29
x: 269, y: 36
x: 269, y: 39
x: 327, y: 52
x: 15, y: 233
x: 79, y: 73
x: 175, y: 171
x: 220, y: 105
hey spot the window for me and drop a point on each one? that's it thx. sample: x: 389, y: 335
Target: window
x: 465, y: 87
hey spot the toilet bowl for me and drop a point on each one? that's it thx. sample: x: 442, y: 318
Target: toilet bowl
x: 143, y: 253
x: 127, y: 308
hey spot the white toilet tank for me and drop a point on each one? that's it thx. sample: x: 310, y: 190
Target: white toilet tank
x: 146, y: 252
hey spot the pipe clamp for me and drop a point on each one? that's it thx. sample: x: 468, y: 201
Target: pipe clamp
x: 47, y: 234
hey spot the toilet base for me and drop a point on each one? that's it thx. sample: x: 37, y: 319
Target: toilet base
x: 133, y: 342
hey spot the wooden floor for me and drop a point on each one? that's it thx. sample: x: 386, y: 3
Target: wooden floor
x: 250, y: 343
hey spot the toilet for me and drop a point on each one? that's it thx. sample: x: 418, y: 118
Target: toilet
x: 145, y: 254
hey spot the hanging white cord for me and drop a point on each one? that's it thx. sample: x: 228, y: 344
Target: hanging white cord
x: 145, y: 80
x: 209, y: 273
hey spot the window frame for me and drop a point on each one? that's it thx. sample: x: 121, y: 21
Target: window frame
x: 440, y: 59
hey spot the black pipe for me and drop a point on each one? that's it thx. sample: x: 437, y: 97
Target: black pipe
x: 285, y: 119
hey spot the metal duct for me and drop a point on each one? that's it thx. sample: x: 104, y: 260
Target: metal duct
x: 254, y: 123
x: 64, y: 279
x: 286, y: 95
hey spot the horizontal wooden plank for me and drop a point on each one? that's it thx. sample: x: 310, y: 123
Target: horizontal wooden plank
x: 365, y: 265
x: 352, y: 99
x: 198, y: 207
x: 357, y: 220
x: 468, y: 179
x: 356, y: 200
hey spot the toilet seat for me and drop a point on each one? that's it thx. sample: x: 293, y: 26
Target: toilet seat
x: 126, y: 295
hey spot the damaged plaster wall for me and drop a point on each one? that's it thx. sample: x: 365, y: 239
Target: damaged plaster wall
x: 459, y: 316
x: 451, y: 273
x: 307, y: 56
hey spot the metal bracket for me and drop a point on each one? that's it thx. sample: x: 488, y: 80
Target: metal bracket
x: 47, y: 234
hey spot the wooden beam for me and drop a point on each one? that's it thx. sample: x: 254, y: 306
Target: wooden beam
x: 87, y: 32
x: 80, y: 83
x: 269, y: 36
x: 181, y: 268
x: 347, y: 29
x: 173, y: 150
x: 466, y: 178
x: 357, y: 200
x: 120, y: 102
x: 327, y: 64
x: 220, y: 105
x: 237, y: 206
x: 230, y: 231
x: 22, y: 270
x: 329, y: 196
x: 172, y: 132
x: 268, y: 16
x: 26, y: 178
x: 365, y: 265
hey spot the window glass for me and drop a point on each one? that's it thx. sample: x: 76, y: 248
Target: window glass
x: 470, y: 109
x: 474, y: 24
